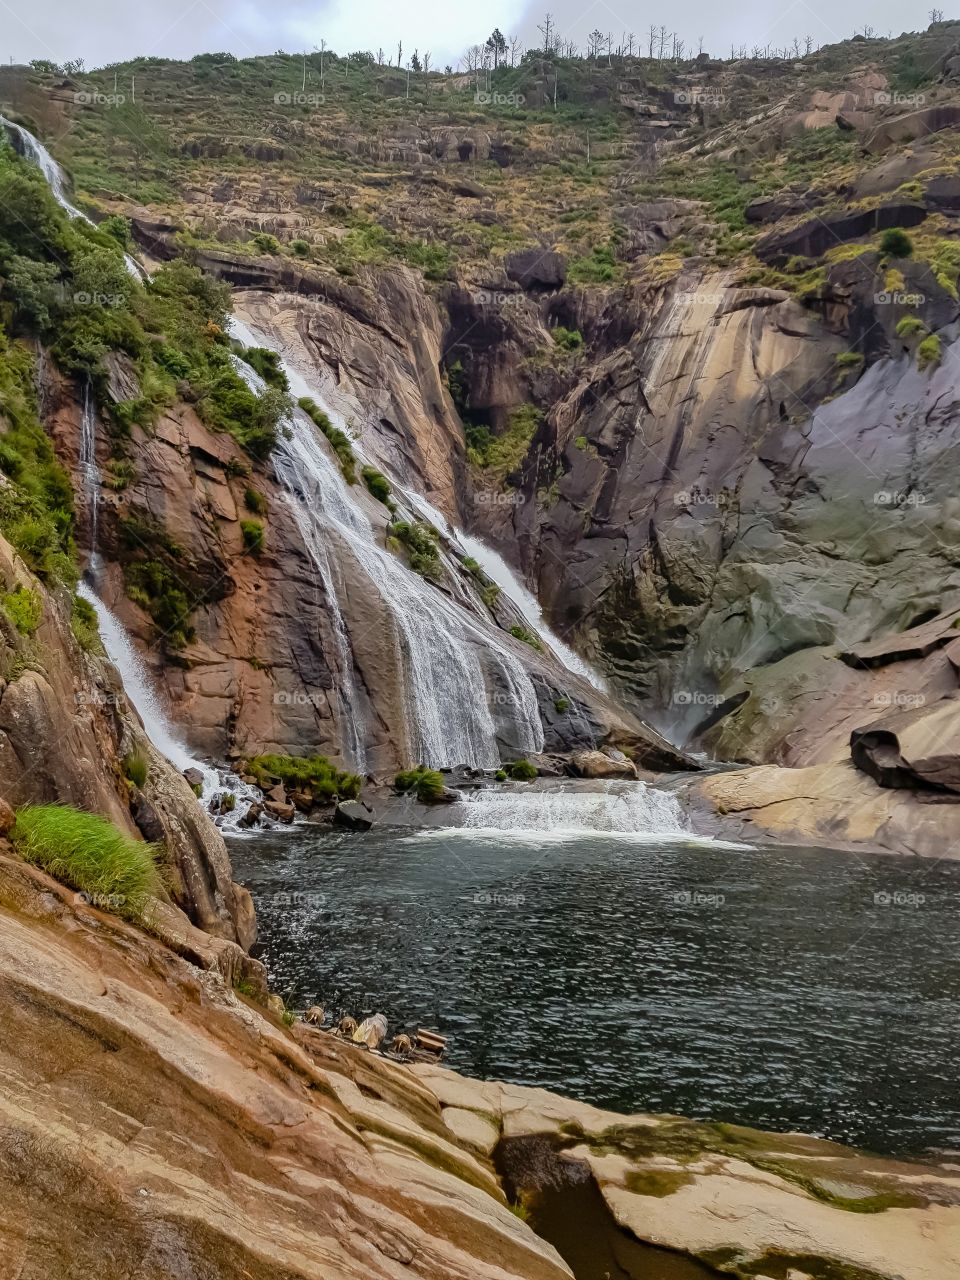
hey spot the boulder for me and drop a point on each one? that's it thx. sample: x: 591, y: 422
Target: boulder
x: 597, y: 764
x: 915, y: 124
x: 353, y: 815
x: 913, y: 749
x: 537, y: 269
x: 7, y: 818
x: 815, y: 236
x: 194, y: 777
x: 282, y: 812
x: 252, y: 816
x: 277, y: 794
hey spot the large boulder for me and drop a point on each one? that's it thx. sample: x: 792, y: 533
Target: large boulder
x: 912, y: 749
x: 354, y: 815
x: 537, y: 269
x: 815, y: 236
x: 597, y: 764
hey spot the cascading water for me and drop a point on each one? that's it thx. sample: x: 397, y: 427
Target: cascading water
x: 90, y: 478
x: 449, y: 718
x: 622, y: 808
x: 35, y: 151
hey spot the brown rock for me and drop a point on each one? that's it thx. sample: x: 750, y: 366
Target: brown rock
x: 282, y: 812
x: 597, y: 764
x: 7, y: 818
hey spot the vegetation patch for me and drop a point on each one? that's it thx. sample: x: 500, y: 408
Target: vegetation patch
x: 929, y: 352
x: 135, y: 769
x: 421, y: 544
x: 657, y: 1182
x: 253, y: 536
x: 522, y: 771
x: 503, y: 453
x: 24, y: 608
x: 339, y: 440
x: 90, y: 855
x: 528, y: 637
x: 313, y: 774
x: 85, y: 626
x: 377, y: 483
x: 426, y: 784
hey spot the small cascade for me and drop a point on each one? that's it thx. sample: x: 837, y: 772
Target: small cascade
x: 90, y: 478
x: 37, y: 153
x: 621, y: 808
x: 139, y: 688
x: 440, y: 643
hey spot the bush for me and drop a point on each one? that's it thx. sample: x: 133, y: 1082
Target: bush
x: 420, y: 542
x: 848, y: 359
x: 267, y: 364
x: 377, y: 483
x: 522, y: 771
x: 895, y: 243
x: 136, y: 767
x: 339, y: 440
x: 315, y: 774
x: 426, y: 784
x: 254, y: 501
x: 505, y: 452
x: 521, y: 633
x: 266, y: 243
x: 84, y: 625
x: 300, y: 248
x: 253, y: 537
x: 567, y: 339
x: 929, y: 352
x: 89, y: 854
x: 909, y: 326
x: 24, y: 608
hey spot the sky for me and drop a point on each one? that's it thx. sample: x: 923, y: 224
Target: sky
x: 104, y: 31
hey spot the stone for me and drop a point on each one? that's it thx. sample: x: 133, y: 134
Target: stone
x: 252, y: 816
x: 371, y: 1031
x: 597, y: 764
x: 275, y: 1005
x: 314, y: 1016
x: 194, y: 777
x: 537, y: 269
x: 282, y: 812
x: 353, y: 815
x: 277, y: 794
x: 7, y: 818
x: 815, y: 236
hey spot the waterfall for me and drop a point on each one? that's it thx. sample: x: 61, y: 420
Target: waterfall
x: 37, y: 153
x: 449, y: 720
x: 90, y: 477
x: 620, y: 808
x: 139, y: 688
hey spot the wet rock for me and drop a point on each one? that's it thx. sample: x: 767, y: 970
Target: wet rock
x: 146, y: 817
x: 252, y: 816
x: 194, y: 777
x: 282, y: 812
x: 597, y: 764
x: 353, y: 815
x: 303, y: 800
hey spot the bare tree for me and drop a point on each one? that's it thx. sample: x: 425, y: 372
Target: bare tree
x: 936, y: 15
x: 630, y: 40
x: 547, y: 29
x: 399, y: 53
x: 515, y: 43
x: 594, y: 41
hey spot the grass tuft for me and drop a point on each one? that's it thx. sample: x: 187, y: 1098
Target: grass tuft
x: 90, y: 854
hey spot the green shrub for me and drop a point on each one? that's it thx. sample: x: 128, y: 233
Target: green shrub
x: 300, y: 248
x: 420, y: 542
x: 377, y: 483
x: 266, y: 243
x: 929, y: 352
x: 84, y: 625
x: 254, y: 501
x: 909, y: 326
x: 267, y: 364
x: 339, y: 440
x: 521, y: 633
x: 567, y: 339
x: 522, y: 771
x: 505, y: 452
x: 848, y: 359
x: 500, y: 775
x: 598, y: 267
x: 135, y: 768
x: 253, y: 536
x: 24, y: 608
x: 426, y: 784
x: 89, y: 854
x: 315, y: 774
x: 560, y: 705
x: 895, y: 243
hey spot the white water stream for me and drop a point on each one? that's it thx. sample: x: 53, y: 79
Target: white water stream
x: 441, y: 645
x: 35, y: 151
x: 623, y: 808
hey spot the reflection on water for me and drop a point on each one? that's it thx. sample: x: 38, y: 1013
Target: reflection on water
x: 787, y: 989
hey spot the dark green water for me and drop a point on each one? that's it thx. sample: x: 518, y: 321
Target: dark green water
x: 787, y: 989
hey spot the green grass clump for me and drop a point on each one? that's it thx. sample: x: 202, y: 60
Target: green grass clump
x: 89, y: 854
x: 136, y: 768
x: 909, y: 326
x: 521, y: 633
x: 503, y: 453
x: 848, y: 359
x: 929, y: 352
x: 895, y: 243
x: 253, y: 536
x: 267, y: 364
x: 254, y: 501
x: 420, y: 542
x: 377, y: 483
x: 315, y: 774
x: 24, y: 608
x: 522, y: 771
x: 84, y: 625
x: 426, y: 784
x: 339, y: 440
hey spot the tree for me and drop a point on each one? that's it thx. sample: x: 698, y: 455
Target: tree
x: 594, y: 43
x: 496, y: 46
x: 415, y: 63
x: 547, y: 29
x: 515, y: 43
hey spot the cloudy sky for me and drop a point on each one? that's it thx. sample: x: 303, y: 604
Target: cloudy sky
x: 102, y: 31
